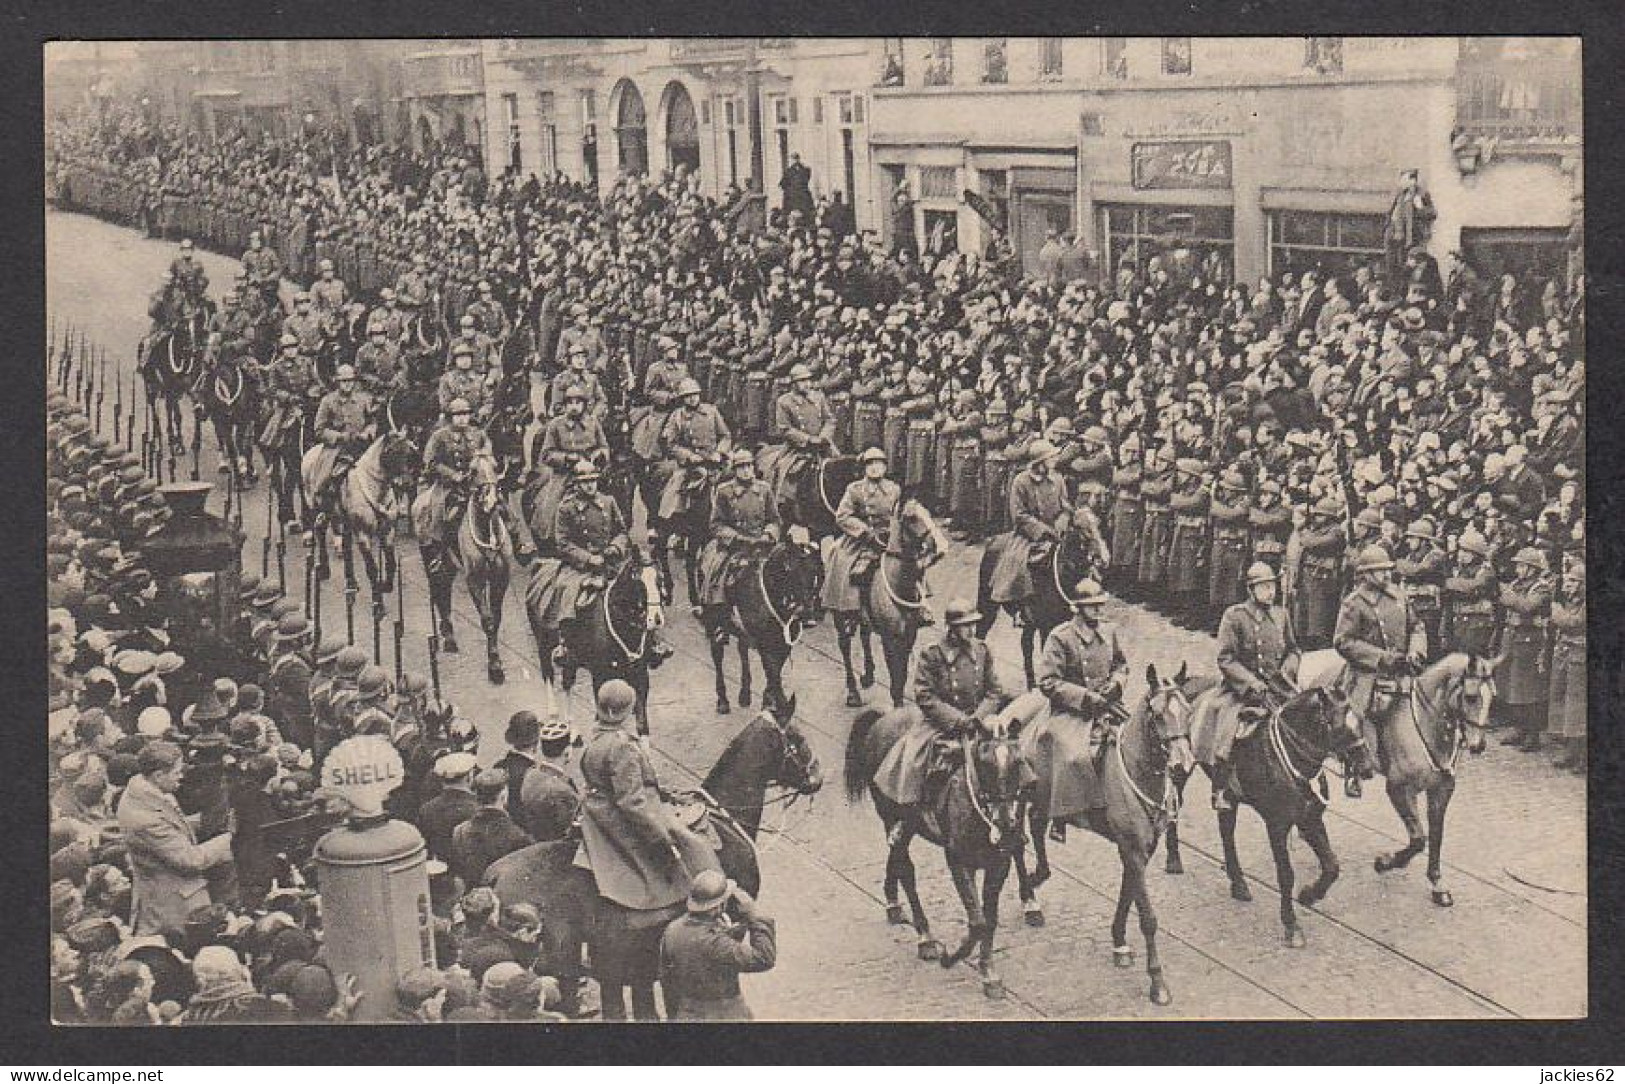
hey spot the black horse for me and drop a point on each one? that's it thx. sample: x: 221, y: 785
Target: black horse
x: 1055, y: 569
x: 816, y: 493
x: 231, y: 399
x: 169, y: 363
x: 772, y: 599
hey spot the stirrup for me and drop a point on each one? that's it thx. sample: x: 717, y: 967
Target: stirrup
x: 1351, y: 786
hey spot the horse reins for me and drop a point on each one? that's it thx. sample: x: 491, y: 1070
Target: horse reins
x: 1169, y: 806
x: 1278, y: 738
x: 609, y: 621
x: 784, y: 623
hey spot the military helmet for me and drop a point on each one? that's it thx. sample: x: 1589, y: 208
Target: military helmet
x: 1041, y: 451
x: 1422, y: 528
x: 741, y: 457
x: 1096, y: 434
x: 585, y: 470
x: 1088, y: 593
x: 961, y: 611
x: 1530, y: 557
x: 575, y: 391
x: 1061, y: 427
x: 345, y: 372
x: 1329, y: 507
x: 459, y: 405
x: 689, y: 386
x: 351, y: 661
x: 1373, y: 559
x: 289, y: 340
x: 1472, y: 541
x: 800, y: 372
x: 872, y: 455
x: 1259, y: 572
x: 616, y: 699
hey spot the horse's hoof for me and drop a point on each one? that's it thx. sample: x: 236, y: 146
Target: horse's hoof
x: 1240, y: 891
x: 868, y: 679
x: 853, y: 698
x: 1383, y: 863
x: 930, y: 950
x: 1040, y: 876
x: 1443, y: 898
x: 1295, y: 938
x: 723, y: 707
x: 894, y: 915
x: 1174, y: 865
x: 449, y: 646
x: 994, y: 989
x: 223, y: 468
x: 744, y: 698
x: 1123, y: 956
x: 1160, y: 994
x: 1308, y: 898
x: 1035, y: 918
x: 496, y: 675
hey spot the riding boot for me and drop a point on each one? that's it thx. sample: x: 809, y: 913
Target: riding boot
x: 659, y: 650
x: 1351, y: 786
x: 1224, y: 780
x: 1057, y: 831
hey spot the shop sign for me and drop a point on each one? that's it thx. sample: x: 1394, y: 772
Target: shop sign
x: 1187, y: 164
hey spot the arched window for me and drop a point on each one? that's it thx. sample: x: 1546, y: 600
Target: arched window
x: 631, y: 133
x: 682, y: 129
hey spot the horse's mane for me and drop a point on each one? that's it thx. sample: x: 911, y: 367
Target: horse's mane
x: 735, y: 750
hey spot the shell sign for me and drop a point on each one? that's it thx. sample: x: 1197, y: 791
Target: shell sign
x: 363, y: 770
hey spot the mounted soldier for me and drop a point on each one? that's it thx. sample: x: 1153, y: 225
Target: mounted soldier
x: 304, y: 325
x: 489, y: 316
x: 264, y: 269
x: 1382, y: 640
x: 329, y: 295
x: 1040, y: 516
x: 378, y: 360
x: 744, y: 519
x: 292, y: 384
x: 805, y: 423
x: 570, y: 437
x: 190, y: 278
x: 463, y: 382
x: 590, y: 539
x: 697, y: 439
x: 345, y: 428
x: 956, y: 688
x: 661, y: 383
x: 447, y: 461
x: 1081, y: 674
x: 487, y: 357
x: 1258, y: 666
x: 579, y: 374
x: 864, y: 517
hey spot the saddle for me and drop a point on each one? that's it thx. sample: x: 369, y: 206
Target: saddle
x: 799, y: 464
x: 591, y: 588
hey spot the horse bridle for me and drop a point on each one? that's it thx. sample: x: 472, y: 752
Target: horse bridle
x: 784, y: 621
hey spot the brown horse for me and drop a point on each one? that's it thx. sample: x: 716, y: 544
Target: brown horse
x: 1137, y: 777
x: 1419, y: 745
x: 1279, y: 768
x: 976, y: 817
x: 483, y: 550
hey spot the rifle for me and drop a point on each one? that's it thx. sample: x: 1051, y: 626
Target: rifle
x: 101, y: 388
x: 400, y: 611
x: 434, y: 647
x: 118, y: 405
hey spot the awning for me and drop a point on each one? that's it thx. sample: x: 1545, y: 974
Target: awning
x: 1162, y: 197
x: 1353, y: 201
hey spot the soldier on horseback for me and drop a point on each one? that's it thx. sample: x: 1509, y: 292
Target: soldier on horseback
x: 956, y: 688
x: 163, y: 307
x: 189, y: 277
x: 447, y: 462
x: 304, y: 325
x: 463, y: 383
x: 1081, y: 675
x: 487, y: 358
x: 744, y: 519
x: 344, y: 426
x: 803, y: 418
x: 329, y: 294
x: 264, y: 269
x: 661, y: 391
x: 1040, y: 514
x: 864, y: 517
x: 570, y: 438
x: 378, y: 360
x: 579, y: 375
x: 291, y: 383
x: 590, y: 538
x: 1258, y: 664
x: 1383, y: 641
x: 489, y: 317
x: 697, y: 439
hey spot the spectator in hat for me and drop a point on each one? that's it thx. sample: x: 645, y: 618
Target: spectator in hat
x: 549, y: 799
x: 167, y: 862
x: 522, y: 734
x: 488, y: 833
x: 456, y: 802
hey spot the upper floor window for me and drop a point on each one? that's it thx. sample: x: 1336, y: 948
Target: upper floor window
x: 939, y: 182
x: 891, y: 67
x: 1323, y: 56
x: 1176, y: 56
x: 996, y: 60
x: 939, y: 62
x: 1114, y: 58
x: 1049, y: 58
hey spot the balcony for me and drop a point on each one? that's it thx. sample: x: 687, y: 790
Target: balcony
x: 443, y: 75
x: 1519, y: 91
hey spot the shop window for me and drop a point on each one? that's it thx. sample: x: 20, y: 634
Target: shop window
x: 1049, y: 58
x: 939, y: 182
x: 1176, y: 56
x: 1315, y: 240
x: 1323, y: 56
x: 996, y: 60
x: 1114, y: 58
x: 939, y: 62
x: 1137, y: 234
x: 818, y: 110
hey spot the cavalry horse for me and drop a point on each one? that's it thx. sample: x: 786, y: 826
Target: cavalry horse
x: 690, y: 526
x: 363, y: 505
x: 1279, y: 771
x: 169, y: 365
x: 608, y: 634
x: 816, y: 493
x: 1419, y: 745
x: 894, y: 600
x: 773, y: 598
x: 230, y: 396
x: 1055, y: 570
x: 976, y: 816
x: 482, y: 549
x: 625, y: 944
x: 1138, y: 767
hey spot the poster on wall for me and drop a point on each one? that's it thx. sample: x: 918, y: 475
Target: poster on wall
x: 1187, y: 164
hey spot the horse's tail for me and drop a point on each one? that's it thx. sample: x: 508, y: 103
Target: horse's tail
x: 856, y: 776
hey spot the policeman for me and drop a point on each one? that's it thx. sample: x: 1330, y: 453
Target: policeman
x: 1188, y: 546
x: 864, y: 517
x: 697, y: 439
x: 1381, y: 638
x: 1258, y: 665
x: 1421, y: 571
x: 1081, y: 674
x: 463, y: 382
x: 744, y: 517
x: 1468, y: 599
x: 956, y: 688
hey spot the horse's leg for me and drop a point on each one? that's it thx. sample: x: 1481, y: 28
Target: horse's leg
x: 718, y: 653
x: 1122, y: 951
x: 993, y: 878
x: 1313, y: 830
x: 929, y: 948
x: 1031, y: 909
x: 894, y: 910
x: 1403, y: 799
x: 644, y: 1010
x: 745, y: 694
x: 1175, y: 864
x: 491, y: 594
x: 639, y: 680
x: 611, y: 1000
x: 865, y: 635
x: 1232, y: 861
x: 1438, y: 805
x: 1280, y: 833
x: 1135, y: 858
x: 964, y: 878
x: 1029, y: 645
x: 773, y: 674
x: 845, y: 624
x: 896, y: 667
x: 1038, y: 823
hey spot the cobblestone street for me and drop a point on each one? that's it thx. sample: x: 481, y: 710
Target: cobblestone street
x: 1513, y: 946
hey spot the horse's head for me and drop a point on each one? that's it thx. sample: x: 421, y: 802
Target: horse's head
x: 917, y: 536
x: 798, y: 767
x: 1468, y: 690
x: 798, y: 567
x: 1169, y: 709
x: 1000, y: 777
x: 654, y: 595
x: 399, y: 458
x: 483, y: 482
x: 1321, y: 716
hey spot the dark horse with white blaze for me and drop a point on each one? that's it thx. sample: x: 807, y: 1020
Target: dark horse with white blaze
x: 482, y: 549
x: 894, y: 600
x: 625, y: 945
x: 230, y: 396
x: 772, y: 599
x: 977, y: 816
x: 608, y: 634
x: 169, y: 365
x: 1278, y: 768
x: 1419, y: 745
x: 1055, y: 567
x: 1138, y: 767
